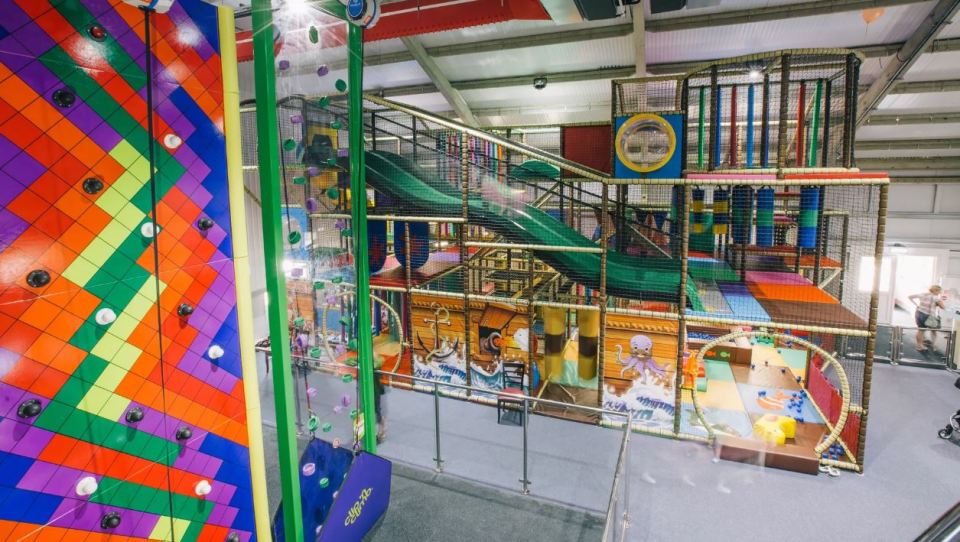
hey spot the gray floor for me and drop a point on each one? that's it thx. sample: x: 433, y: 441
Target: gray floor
x: 677, y: 491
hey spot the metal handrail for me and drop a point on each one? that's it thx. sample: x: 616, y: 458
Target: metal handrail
x: 945, y: 529
x: 539, y: 154
x: 622, y: 462
x: 513, y: 396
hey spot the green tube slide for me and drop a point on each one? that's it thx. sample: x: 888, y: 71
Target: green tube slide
x: 423, y: 192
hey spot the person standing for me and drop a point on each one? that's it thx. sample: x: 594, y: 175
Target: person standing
x: 927, y: 315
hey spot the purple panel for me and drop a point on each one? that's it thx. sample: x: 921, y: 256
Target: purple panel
x: 11, y: 226
x: 24, y: 169
x: 105, y: 137
x: 34, y: 39
x: 37, y: 477
x: 8, y: 150
x: 10, y: 396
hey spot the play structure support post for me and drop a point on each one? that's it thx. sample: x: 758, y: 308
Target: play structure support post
x: 849, y: 109
x: 525, y: 481
x: 825, y: 155
x: 818, y: 249
x: 751, y: 89
x: 784, y: 112
x: 765, y: 123
x: 602, y: 298
x: 815, y: 125
x: 872, y: 320
x: 682, y: 304
x: 684, y: 138
x: 530, y: 318
x: 844, y: 240
x: 800, y: 138
x: 718, y: 128
x: 701, y: 127
x: 733, y: 126
x: 268, y: 144
x: 436, y: 428
x: 714, y: 120
x: 361, y: 257
x: 465, y: 254
x: 241, y: 266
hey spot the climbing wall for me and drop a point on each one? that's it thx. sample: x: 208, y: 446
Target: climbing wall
x: 121, y: 401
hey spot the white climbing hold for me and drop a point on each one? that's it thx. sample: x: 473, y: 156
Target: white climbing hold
x: 105, y: 316
x: 172, y: 141
x: 148, y: 230
x: 86, y: 486
x: 203, y: 488
x: 215, y: 351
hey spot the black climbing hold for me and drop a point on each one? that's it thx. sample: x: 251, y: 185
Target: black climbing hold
x: 232, y: 537
x: 92, y: 185
x: 110, y: 520
x: 29, y: 408
x: 64, y: 97
x: 184, y: 433
x: 38, y: 278
x: 205, y: 223
x: 134, y: 415
x: 97, y: 32
x: 184, y: 309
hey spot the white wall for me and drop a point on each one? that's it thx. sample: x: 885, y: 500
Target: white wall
x: 927, y: 216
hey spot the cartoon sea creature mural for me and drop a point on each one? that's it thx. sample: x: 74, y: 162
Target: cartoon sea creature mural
x: 641, y: 359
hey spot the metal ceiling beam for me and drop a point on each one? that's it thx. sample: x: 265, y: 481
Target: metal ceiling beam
x: 922, y: 37
x: 925, y: 180
x: 451, y: 94
x: 912, y: 118
x: 770, y: 13
x: 908, y: 144
x: 913, y: 163
x: 516, y: 81
x: 923, y: 87
x: 639, y: 40
x: 589, y: 34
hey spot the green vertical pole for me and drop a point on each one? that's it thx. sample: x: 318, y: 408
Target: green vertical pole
x: 701, y: 128
x: 815, y: 125
x: 268, y: 146
x: 358, y: 213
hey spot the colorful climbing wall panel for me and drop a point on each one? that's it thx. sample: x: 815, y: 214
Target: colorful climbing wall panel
x: 121, y: 403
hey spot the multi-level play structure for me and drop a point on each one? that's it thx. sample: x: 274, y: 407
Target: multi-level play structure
x: 692, y: 267
x: 695, y: 262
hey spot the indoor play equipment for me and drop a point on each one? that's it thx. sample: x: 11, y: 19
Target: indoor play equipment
x: 126, y: 320
x: 727, y: 219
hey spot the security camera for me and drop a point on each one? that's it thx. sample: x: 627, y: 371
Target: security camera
x: 539, y: 82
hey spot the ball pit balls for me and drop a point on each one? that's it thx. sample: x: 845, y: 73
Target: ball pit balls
x: 283, y: 65
x: 340, y: 85
x: 294, y: 237
x: 289, y: 144
x: 323, y: 70
x: 312, y: 205
x: 327, y: 427
x: 337, y: 409
x: 333, y: 193
x: 312, y: 392
x: 353, y: 414
x: 296, y: 119
x: 347, y: 378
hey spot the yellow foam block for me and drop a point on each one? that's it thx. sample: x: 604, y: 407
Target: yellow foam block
x: 775, y: 429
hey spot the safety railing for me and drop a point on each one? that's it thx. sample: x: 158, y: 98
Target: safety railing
x: 617, y: 502
x: 899, y: 345
x: 618, y: 508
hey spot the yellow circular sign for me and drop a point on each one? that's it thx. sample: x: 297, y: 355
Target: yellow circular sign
x: 645, y: 142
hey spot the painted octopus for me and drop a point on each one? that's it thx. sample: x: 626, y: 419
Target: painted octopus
x: 640, y: 359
